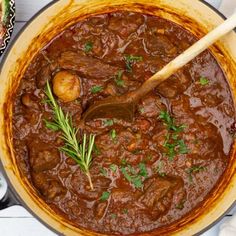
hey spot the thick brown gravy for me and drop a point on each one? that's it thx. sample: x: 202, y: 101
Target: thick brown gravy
x: 146, y: 174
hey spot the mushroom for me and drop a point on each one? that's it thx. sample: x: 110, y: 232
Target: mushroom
x: 66, y: 86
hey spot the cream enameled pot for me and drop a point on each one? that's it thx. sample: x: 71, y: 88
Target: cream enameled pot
x: 194, y: 15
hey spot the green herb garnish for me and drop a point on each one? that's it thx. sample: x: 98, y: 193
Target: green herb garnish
x: 96, y: 89
x: 125, y: 211
x: 143, y: 171
x: 204, y: 81
x: 108, y: 122
x: 159, y: 169
x: 113, y: 216
x: 141, y: 110
x: 88, y: 47
x: 103, y: 171
x: 135, y: 177
x: 149, y: 157
x: 123, y: 162
x: 137, y: 151
x: 130, y: 60
x: 118, y: 79
x: 173, y: 144
x: 113, y: 167
x: 105, y: 196
x: 180, y: 205
x: 80, y: 151
x: 113, y: 134
x: 194, y: 169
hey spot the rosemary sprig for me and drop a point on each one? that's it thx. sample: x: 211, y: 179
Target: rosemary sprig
x: 81, y: 152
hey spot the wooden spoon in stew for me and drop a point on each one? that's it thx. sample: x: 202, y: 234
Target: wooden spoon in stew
x: 123, y: 107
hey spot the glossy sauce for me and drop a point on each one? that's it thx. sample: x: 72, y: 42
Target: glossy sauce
x: 170, y: 188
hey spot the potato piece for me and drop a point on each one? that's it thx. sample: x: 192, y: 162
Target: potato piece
x: 66, y: 86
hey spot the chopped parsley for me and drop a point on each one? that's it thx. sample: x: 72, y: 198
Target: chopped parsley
x: 113, y: 134
x: 180, y: 205
x: 125, y: 211
x: 204, y: 81
x: 137, y: 151
x: 141, y: 110
x: 194, y: 169
x: 113, y: 167
x: 113, y: 216
x: 88, y: 47
x: 103, y: 171
x: 143, y: 171
x: 105, y: 196
x: 159, y: 169
x: 108, y: 122
x: 135, y: 177
x: 149, y: 157
x: 118, y: 79
x: 123, y: 162
x: 130, y: 60
x: 173, y: 144
x: 96, y: 89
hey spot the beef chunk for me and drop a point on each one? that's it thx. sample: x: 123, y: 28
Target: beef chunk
x: 42, y: 157
x: 30, y: 101
x: 175, y: 85
x: 80, y: 185
x: 45, y: 74
x: 86, y: 66
x: 121, y: 195
x: 124, y: 26
x: 48, y: 186
x: 100, y: 209
x: 161, y: 45
x: 151, y: 106
x: 158, y: 194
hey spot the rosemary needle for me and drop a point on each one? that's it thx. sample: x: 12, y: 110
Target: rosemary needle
x: 81, y: 152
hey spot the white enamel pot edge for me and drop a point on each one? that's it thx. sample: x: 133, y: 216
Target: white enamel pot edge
x: 21, y: 47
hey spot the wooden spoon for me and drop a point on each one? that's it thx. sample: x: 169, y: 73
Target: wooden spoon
x: 123, y: 107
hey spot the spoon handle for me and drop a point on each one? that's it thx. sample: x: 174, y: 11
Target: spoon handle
x: 186, y: 56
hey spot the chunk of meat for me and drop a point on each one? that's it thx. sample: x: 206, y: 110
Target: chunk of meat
x: 143, y: 125
x: 87, y: 66
x: 45, y: 74
x: 203, y: 138
x: 73, y: 108
x: 121, y: 195
x: 99, y: 209
x: 80, y: 185
x: 181, y: 107
x: 108, y: 146
x: 111, y: 90
x: 175, y: 85
x: 160, y: 45
x: 151, y: 106
x: 124, y: 26
x: 154, y: 190
x: 158, y: 194
x: 49, y: 187
x: 30, y: 101
x: 42, y: 157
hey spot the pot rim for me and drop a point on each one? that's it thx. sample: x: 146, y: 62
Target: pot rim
x: 11, y: 188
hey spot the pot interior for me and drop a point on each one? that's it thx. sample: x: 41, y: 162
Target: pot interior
x: 194, y: 16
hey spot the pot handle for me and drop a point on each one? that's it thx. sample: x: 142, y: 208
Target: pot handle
x: 8, y: 200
